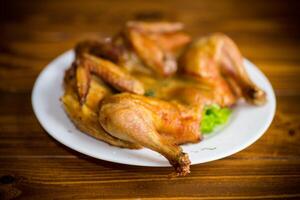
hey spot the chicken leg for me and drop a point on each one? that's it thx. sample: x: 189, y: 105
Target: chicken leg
x: 152, y: 123
x: 217, y: 59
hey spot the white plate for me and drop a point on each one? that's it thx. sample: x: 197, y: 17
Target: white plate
x: 247, y: 123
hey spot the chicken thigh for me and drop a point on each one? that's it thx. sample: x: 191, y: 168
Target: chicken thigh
x: 152, y: 123
x: 217, y: 60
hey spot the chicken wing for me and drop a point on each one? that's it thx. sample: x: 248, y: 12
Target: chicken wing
x: 85, y: 116
x: 168, y: 36
x: 107, y: 71
x: 111, y: 73
x: 83, y: 78
x: 156, y: 43
x: 106, y: 49
x: 155, y: 27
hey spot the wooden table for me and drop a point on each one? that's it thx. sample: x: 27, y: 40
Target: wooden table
x: 35, y: 166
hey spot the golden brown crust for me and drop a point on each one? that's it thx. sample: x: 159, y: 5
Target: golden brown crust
x: 107, y: 88
x: 85, y: 116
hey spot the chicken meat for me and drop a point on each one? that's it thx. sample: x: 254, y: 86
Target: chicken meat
x: 148, y: 86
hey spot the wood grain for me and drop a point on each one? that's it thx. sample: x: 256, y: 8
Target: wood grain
x: 35, y: 166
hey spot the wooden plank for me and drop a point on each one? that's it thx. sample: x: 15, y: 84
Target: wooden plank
x: 35, y: 166
x: 86, y: 178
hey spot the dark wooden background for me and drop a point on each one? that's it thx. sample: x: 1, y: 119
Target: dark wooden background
x: 35, y: 166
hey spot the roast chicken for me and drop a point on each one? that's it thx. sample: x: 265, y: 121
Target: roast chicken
x: 148, y: 85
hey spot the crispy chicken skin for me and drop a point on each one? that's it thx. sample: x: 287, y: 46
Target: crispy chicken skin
x: 152, y: 123
x: 109, y: 86
x: 156, y: 44
x: 85, y: 116
x: 112, y: 74
x: 217, y: 59
x: 107, y: 71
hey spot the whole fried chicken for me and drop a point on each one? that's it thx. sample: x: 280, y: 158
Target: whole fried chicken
x: 148, y: 85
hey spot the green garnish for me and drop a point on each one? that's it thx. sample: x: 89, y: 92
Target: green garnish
x: 149, y: 93
x: 214, y: 116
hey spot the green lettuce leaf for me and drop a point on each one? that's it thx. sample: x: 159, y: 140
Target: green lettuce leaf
x: 149, y: 93
x: 214, y: 116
